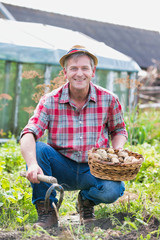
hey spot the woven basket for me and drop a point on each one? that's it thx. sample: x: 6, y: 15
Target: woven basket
x: 114, y: 171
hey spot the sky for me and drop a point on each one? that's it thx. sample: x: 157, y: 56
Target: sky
x: 144, y: 14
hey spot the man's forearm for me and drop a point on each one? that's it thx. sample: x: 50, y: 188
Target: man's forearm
x: 28, y: 149
x: 118, y: 141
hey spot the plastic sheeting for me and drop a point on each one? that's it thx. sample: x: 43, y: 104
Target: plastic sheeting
x: 44, y: 44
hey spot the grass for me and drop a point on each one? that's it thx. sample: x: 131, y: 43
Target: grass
x: 17, y: 211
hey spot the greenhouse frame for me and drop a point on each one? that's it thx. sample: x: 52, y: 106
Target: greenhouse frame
x: 38, y: 48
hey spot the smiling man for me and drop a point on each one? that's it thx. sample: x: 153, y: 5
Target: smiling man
x: 79, y: 71
x: 79, y: 115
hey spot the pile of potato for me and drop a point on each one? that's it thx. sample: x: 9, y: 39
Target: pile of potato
x: 114, y: 156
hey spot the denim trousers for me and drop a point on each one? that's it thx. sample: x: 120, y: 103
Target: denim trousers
x: 72, y: 176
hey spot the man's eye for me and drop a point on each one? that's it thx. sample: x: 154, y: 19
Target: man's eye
x: 73, y: 68
x: 85, y: 68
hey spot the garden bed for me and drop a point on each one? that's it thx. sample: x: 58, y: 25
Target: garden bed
x: 102, y: 228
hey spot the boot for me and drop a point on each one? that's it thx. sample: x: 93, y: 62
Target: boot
x: 85, y: 210
x: 46, y: 219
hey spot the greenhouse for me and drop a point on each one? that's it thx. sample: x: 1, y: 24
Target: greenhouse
x: 36, y: 49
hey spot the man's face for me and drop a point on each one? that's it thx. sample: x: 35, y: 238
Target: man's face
x: 79, y: 72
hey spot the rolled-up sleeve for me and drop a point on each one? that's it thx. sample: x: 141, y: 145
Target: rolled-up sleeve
x: 116, y: 123
x: 38, y: 123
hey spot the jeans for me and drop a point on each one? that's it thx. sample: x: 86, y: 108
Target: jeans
x: 73, y: 176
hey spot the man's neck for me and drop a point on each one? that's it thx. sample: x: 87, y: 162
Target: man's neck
x: 79, y: 97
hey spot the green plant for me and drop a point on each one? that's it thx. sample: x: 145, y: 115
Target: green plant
x: 16, y: 209
x: 140, y: 128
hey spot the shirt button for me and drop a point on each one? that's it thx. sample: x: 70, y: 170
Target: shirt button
x: 80, y: 137
x: 79, y: 154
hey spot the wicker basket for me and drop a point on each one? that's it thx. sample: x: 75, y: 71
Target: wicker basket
x: 114, y: 171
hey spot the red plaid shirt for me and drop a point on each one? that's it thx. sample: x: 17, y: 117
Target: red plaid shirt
x: 73, y: 132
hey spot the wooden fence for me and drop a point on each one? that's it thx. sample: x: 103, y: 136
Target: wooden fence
x: 149, y: 97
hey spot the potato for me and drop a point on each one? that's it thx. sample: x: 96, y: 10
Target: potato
x: 115, y: 160
x: 102, y: 153
x: 96, y: 156
x: 121, y: 159
x: 110, y: 155
x: 122, y: 154
x: 110, y: 150
x: 128, y: 159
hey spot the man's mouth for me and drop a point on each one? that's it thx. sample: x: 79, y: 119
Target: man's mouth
x: 79, y: 80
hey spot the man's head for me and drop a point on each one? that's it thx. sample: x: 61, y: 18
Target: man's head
x: 77, y: 51
x: 79, y: 66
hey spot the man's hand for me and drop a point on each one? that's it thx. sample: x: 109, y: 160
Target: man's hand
x: 32, y: 173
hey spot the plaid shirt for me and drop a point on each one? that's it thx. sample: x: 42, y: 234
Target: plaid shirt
x: 73, y: 132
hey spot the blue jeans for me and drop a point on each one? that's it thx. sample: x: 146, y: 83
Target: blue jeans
x: 73, y: 176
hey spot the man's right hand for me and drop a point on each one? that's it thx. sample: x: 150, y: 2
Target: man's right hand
x: 32, y: 173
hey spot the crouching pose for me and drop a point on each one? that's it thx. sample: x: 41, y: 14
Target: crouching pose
x: 79, y: 115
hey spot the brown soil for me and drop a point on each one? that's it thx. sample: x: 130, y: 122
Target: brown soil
x: 104, y: 228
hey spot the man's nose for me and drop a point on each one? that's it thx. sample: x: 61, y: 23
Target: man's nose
x: 79, y: 72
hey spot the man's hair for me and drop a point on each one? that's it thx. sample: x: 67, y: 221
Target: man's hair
x: 76, y: 55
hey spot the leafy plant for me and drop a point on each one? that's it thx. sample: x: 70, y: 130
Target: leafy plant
x: 140, y: 128
x: 17, y: 210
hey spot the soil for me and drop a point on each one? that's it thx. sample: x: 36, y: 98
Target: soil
x: 104, y: 228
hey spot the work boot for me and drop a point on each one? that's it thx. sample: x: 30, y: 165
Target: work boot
x: 46, y: 219
x: 85, y: 210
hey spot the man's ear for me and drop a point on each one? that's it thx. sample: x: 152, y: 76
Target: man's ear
x: 94, y: 71
x: 65, y: 73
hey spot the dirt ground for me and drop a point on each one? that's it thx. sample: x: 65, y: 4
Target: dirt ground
x: 104, y: 228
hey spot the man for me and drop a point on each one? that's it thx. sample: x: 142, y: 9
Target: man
x: 79, y: 115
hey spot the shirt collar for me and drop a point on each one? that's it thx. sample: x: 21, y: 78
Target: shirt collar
x: 92, y: 95
x: 64, y: 98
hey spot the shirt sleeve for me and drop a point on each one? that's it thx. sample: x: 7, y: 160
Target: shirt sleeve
x: 38, y: 123
x: 116, y: 124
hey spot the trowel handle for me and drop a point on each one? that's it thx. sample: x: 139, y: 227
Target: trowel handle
x: 42, y: 178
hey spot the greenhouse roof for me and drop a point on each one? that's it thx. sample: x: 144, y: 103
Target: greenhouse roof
x: 44, y: 44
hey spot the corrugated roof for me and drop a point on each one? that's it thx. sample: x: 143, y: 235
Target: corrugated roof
x: 141, y: 45
x: 37, y: 43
